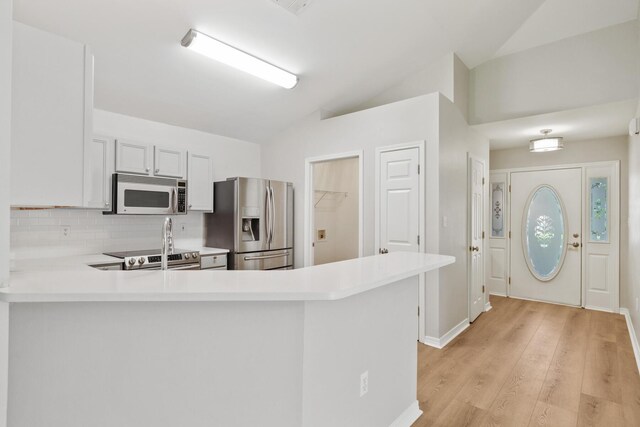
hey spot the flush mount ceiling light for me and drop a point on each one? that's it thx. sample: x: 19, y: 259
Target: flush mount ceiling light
x: 222, y: 52
x: 546, y: 143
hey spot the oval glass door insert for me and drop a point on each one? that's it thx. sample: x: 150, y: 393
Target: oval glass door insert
x: 544, y: 238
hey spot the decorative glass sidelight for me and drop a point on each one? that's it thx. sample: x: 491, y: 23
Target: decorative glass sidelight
x: 497, y: 209
x: 598, y: 197
x: 544, y: 236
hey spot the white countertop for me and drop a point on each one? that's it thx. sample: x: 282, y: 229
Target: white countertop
x: 72, y: 280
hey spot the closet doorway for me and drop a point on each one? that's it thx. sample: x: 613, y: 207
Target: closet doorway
x: 333, y: 210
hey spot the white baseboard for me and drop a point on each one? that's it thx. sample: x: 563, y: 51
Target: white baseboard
x: 487, y: 306
x: 446, y: 338
x: 408, y: 417
x: 498, y: 294
x: 606, y: 310
x: 632, y: 335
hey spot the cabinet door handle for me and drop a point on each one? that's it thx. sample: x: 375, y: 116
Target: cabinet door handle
x: 157, y: 170
x: 147, y: 169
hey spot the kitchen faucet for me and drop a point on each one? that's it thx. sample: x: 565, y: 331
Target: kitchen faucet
x: 167, y: 242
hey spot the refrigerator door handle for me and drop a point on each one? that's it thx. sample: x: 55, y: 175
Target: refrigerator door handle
x: 272, y: 215
x: 267, y: 215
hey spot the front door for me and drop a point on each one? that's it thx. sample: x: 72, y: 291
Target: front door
x: 546, y: 244
x: 399, y: 201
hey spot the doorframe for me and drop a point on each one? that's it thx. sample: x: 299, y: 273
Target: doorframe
x: 470, y: 158
x: 617, y: 197
x: 309, y: 249
x: 422, y: 180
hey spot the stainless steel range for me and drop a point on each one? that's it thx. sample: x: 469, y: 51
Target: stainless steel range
x: 151, y: 259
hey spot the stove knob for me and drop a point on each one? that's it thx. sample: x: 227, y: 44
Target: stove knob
x: 132, y: 261
x: 194, y: 255
x: 141, y: 260
x: 187, y: 256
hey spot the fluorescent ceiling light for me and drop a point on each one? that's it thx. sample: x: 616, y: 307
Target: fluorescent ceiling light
x: 546, y: 143
x: 215, y: 49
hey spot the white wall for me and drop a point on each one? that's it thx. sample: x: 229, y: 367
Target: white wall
x: 589, y: 69
x: 6, y: 28
x: 448, y: 75
x: 284, y: 158
x: 633, y: 270
x: 39, y: 233
x: 6, y: 24
x: 456, y: 140
x: 336, y: 212
x: 632, y: 291
x: 593, y: 150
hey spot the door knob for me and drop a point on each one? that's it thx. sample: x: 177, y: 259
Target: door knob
x: 383, y: 251
x: 474, y: 248
x: 576, y: 235
x: 575, y: 244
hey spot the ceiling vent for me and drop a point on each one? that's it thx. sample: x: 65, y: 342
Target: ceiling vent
x: 294, y: 6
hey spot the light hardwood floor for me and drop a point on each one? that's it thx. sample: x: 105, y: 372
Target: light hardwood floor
x: 527, y: 363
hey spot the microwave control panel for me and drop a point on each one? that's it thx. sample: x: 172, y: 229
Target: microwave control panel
x: 182, y: 197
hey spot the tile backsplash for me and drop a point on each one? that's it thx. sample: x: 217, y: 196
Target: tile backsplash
x: 64, y: 232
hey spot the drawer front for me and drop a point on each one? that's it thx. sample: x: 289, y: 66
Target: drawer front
x: 264, y: 260
x: 213, y: 261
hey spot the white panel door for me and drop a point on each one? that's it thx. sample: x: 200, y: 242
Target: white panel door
x: 200, y: 182
x: 546, y: 226
x: 169, y: 162
x: 476, y: 220
x: 399, y: 200
x: 133, y: 157
x: 98, y: 169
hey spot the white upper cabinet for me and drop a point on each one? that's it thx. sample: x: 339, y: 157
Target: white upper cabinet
x: 98, y: 170
x: 133, y: 157
x: 52, y: 110
x: 169, y: 162
x: 146, y: 159
x: 200, y: 182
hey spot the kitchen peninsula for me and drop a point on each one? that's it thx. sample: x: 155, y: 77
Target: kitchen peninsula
x: 330, y: 345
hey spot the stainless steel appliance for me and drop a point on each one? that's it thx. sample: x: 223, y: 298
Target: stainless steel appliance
x: 253, y: 218
x: 145, y: 195
x: 180, y: 259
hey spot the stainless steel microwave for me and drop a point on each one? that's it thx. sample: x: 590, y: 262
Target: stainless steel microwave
x: 144, y: 195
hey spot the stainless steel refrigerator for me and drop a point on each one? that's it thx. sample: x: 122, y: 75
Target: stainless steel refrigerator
x: 253, y: 218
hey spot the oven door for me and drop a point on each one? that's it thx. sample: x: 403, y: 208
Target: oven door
x: 137, y: 195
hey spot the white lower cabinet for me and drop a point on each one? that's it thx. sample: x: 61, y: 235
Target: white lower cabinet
x: 99, y: 167
x: 200, y: 182
x: 213, y: 262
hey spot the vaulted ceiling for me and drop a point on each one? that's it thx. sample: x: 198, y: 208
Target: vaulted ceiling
x: 345, y: 51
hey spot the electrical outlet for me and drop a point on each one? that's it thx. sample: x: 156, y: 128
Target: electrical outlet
x: 364, y: 383
x: 445, y: 221
x: 65, y: 231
